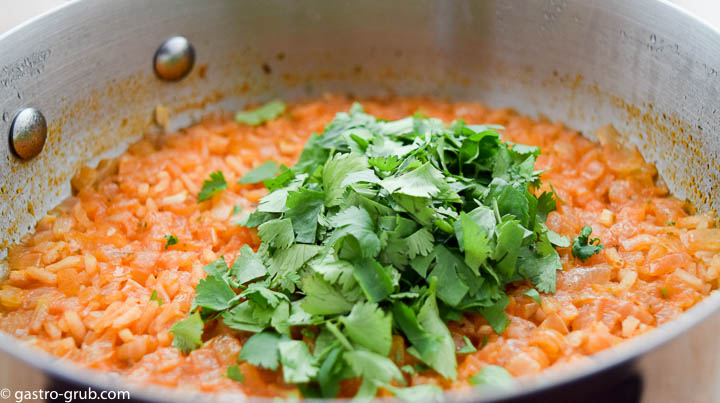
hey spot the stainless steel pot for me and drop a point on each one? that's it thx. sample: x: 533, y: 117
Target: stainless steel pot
x: 644, y: 66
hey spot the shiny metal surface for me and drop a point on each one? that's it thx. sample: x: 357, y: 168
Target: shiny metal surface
x: 174, y: 59
x: 644, y: 66
x: 28, y: 132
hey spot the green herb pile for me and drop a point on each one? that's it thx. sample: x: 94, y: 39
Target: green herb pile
x: 382, y: 228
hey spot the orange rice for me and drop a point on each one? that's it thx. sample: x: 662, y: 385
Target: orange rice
x: 79, y: 287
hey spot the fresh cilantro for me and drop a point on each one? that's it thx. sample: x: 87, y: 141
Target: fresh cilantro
x: 495, y: 315
x: 154, y: 297
x: 670, y: 223
x: 241, y: 318
x: 335, y: 172
x: 356, y: 222
x: 420, y: 243
x: 323, y: 298
x: 233, y: 372
x: 374, y: 369
x: 212, y: 186
x: 492, y: 376
x: 304, y: 207
x: 308, y: 333
x: 442, y: 358
x: 534, y: 294
x: 664, y: 292
x: 247, y: 266
x: 217, y: 267
x: 262, y: 114
x: 540, y: 269
x: 418, y: 393
x: 583, y: 247
x: 214, y: 293
x: 263, y: 172
x: 374, y: 279
x: 187, y: 333
x: 558, y: 240
x: 467, y: 348
x: 382, y: 229
x: 368, y: 326
x: 261, y: 350
x: 298, y: 365
x: 408, y: 369
x: 332, y: 369
x: 170, y: 240
x: 277, y: 233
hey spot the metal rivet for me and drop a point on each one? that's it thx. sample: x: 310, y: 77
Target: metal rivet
x: 28, y: 133
x: 174, y: 59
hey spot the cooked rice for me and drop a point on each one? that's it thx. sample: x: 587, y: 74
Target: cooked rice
x: 80, y: 285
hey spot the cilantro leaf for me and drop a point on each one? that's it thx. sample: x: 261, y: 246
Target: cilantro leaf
x: 476, y: 237
x: 450, y: 286
x: 262, y: 296
x: 261, y: 350
x: 373, y: 279
x: 418, y: 393
x: 170, y: 240
x: 331, y: 372
x: 336, y: 271
x: 283, y: 178
x: 583, y: 247
x: 408, y: 369
x: 510, y: 235
x: 217, y: 268
x: 334, y: 173
x: 424, y: 181
x: 375, y: 370
x: 385, y: 163
x: 467, y: 348
x: 154, y: 297
x: 233, y: 372
x: 292, y: 258
x: 312, y: 156
x: 262, y: 172
x: 420, y: 243
x: 298, y: 364
x: 557, y: 239
x: 534, y: 294
x: 241, y: 318
x: 443, y: 358
x: 304, y: 206
x: 357, y: 223
x: 214, y: 293
x: 277, y: 233
x: 212, y: 186
x: 322, y: 298
x: 247, y: 266
x: 187, y: 333
x: 493, y: 376
x: 539, y: 269
x: 496, y: 316
x: 258, y: 116
x: 368, y: 326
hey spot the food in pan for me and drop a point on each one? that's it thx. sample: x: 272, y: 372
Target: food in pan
x: 414, y: 245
